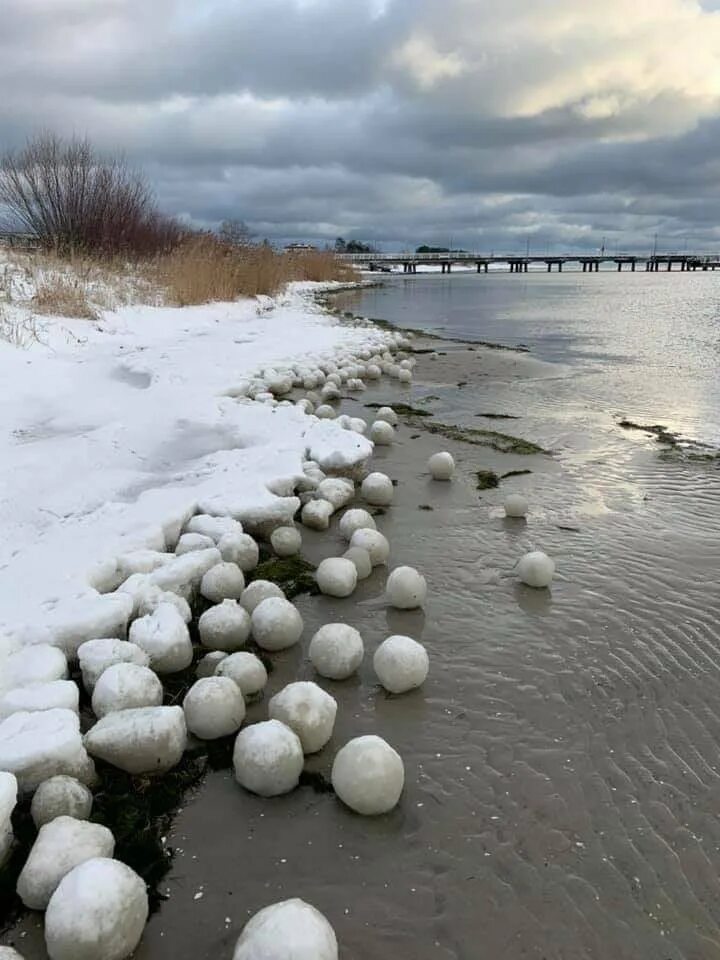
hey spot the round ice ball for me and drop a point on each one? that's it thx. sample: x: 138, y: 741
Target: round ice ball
x: 441, y: 466
x: 224, y: 627
x: 246, y: 670
x: 373, y: 371
x: 401, y: 664
x: 8, y: 953
x: 209, y: 663
x: 214, y: 707
x: 336, y: 577
x: 336, y: 651
x: 276, y: 624
x: 268, y: 758
x: 368, y: 775
x: 516, y: 505
x: 224, y: 581
x: 377, y: 489
x: 536, y: 569
x: 404, y: 376
x: 257, y: 591
x: 308, y: 710
x: 98, y: 912
x: 406, y: 589
x: 382, y: 433
x: 290, y: 930
x: 355, y: 519
x: 361, y: 558
x: 358, y: 425
x: 60, y: 797
x: 305, y: 405
x: 125, y: 686
x: 316, y: 514
x: 239, y: 548
x: 388, y: 415
x: 325, y: 412
x: 193, y: 541
x: 374, y: 542
x: 286, y: 541
x: 330, y: 392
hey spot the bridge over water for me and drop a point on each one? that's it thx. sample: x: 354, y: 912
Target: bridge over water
x: 519, y: 264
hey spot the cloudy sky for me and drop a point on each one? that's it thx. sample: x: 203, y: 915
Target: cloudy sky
x: 477, y: 122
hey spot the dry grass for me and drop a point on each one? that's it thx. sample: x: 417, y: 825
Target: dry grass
x: 204, y: 269
x: 63, y: 295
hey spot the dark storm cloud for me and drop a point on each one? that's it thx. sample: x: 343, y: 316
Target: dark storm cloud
x: 400, y: 121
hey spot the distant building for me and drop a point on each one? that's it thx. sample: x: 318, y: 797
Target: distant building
x: 297, y: 247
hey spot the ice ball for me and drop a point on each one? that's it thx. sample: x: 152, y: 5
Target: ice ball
x: 441, y: 466
x: 246, y: 670
x: 516, y: 505
x: 361, y: 558
x: 536, y: 569
x: 276, y: 624
x: 316, y: 514
x: 60, y: 797
x: 336, y: 577
x: 356, y: 519
x: 388, y: 415
x: 193, y: 541
x: 286, y: 541
x: 336, y: 651
x: 377, y: 489
x: 241, y: 549
x: 224, y: 627
x: 308, y: 710
x: 257, y: 591
x: 214, y: 707
x: 406, y: 589
x: 208, y: 665
x: 268, y: 758
x: 382, y: 433
x: 368, y: 775
x: 290, y: 930
x: 125, y: 686
x: 374, y: 542
x: 224, y: 581
x: 401, y: 664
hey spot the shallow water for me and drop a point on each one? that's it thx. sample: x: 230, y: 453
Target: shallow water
x: 563, y: 758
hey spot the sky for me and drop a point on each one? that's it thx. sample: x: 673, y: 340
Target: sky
x: 482, y: 124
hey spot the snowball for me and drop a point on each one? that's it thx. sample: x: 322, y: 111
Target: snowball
x: 336, y: 651
x: 209, y: 663
x: 308, y: 710
x: 193, y: 541
x: 305, y: 405
x: 334, y: 378
x: 441, y: 466
x: 516, y: 505
x: 8, y: 800
x: 224, y: 627
x: 377, y: 489
x: 407, y: 364
x: 330, y: 392
x: 374, y: 542
x: 40, y: 696
x: 214, y: 707
x: 149, y: 597
x: 90, y: 617
x: 536, y: 569
x: 164, y: 636
x: 98, y: 912
x: 140, y: 561
x: 361, y: 558
x: 125, y: 686
x: 60, y: 797
x: 337, y: 491
x: 61, y: 845
x: 373, y: 371
x: 37, y: 663
x: 290, y: 930
x: 404, y: 376
x: 257, y: 591
x: 7, y: 953
x: 368, y: 775
x: 358, y: 425
x: 97, y: 655
x: 316, y: 514
x: 406, y: 589
x: 276, y: 624
x: 388, y: 415
x: 246, y: 670
x: 143, y: 740
x: 268, y: 758
x: 325, y: 412
x: 336, y: 577
x: 239, y: 548
x: 286, y: 541
x: 225, y: 581
x: 381, y: 433
x: 35, y: 746
x: 401, y: 664
x: 213, y: 527
x: 356, y: 519
x: 182, y: 575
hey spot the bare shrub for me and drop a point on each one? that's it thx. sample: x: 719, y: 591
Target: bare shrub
x: 68, y: 196
x: 63, y: 295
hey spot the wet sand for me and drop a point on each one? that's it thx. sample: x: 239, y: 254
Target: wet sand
x: 562, y: 759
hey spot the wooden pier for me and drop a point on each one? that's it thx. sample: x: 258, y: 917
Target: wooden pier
x: 590, y: 263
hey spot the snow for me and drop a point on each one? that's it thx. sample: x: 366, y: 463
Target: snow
x: 39, y: 664
x: 98, y: 912
x: 40, y: 696
x: 61, y: 845
x: 8, y: 799
x: 114, y: 433
x: 290, y: 930
x: 35, y: 746
x: 142, y: 740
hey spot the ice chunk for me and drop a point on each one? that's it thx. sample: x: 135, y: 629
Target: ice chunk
x: 214, y: 707
x: 61, y: 845
x: 368, y: 775
x: 241, y: 549
x: 336, y: 651
x: 164, y: 636
x: 193, y: 541
x: 35, y: 746
x: 276, y: 624
x: 286, y: 541
x: 377, y: 489
x: 356, y: 519
x: 38, y: 663
x: 224, y: 627
x: 268, y: 758
x: 374, y: 542
x: 7, y: 953
x: 60, y: 797
x: 40, y: 696
x: 257, y: 591
x: 225, y: 581
x: 143, y: 740
x: 336, y: 577
x: 308, y: 710
x: 182, y: 575
x: 98, y: 912
x: 361, y: 558
x: 382, y: 433
x: 8, y: 799
x: 316, y: 514
x: 290, y: 930
x: 246, y: 670
x: 441, y: 466
x: 125, y: 686
x: 536, y: 569
x: 213, y: 527
x: 102, y: 616
x: 406, y: 589
x: 337, y: 491
x: 401, y: 664
x: 97, y: 655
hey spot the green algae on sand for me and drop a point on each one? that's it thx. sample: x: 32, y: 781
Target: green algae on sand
x: 293, y: 575
x: 502, y: 442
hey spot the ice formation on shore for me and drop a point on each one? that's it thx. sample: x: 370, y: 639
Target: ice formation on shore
x: 336, y: 651
x: 368, y: 775
x: 441, y: 466
x: 401, y: 664
x: 308, y: 710
x: 268, y: 758
x: 516, y: 505
x: 536, y: 569
x: 290, y: 930
x: 406, y: 589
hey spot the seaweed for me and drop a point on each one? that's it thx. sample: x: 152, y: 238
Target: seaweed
x: 486, y: 479
x: 498, y: 416
x: 294, y: 575
x: 425, y: 506
x: 661, y: 433
x: 318, y: 781
x: 502, y: 442
x: 514, y: 473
